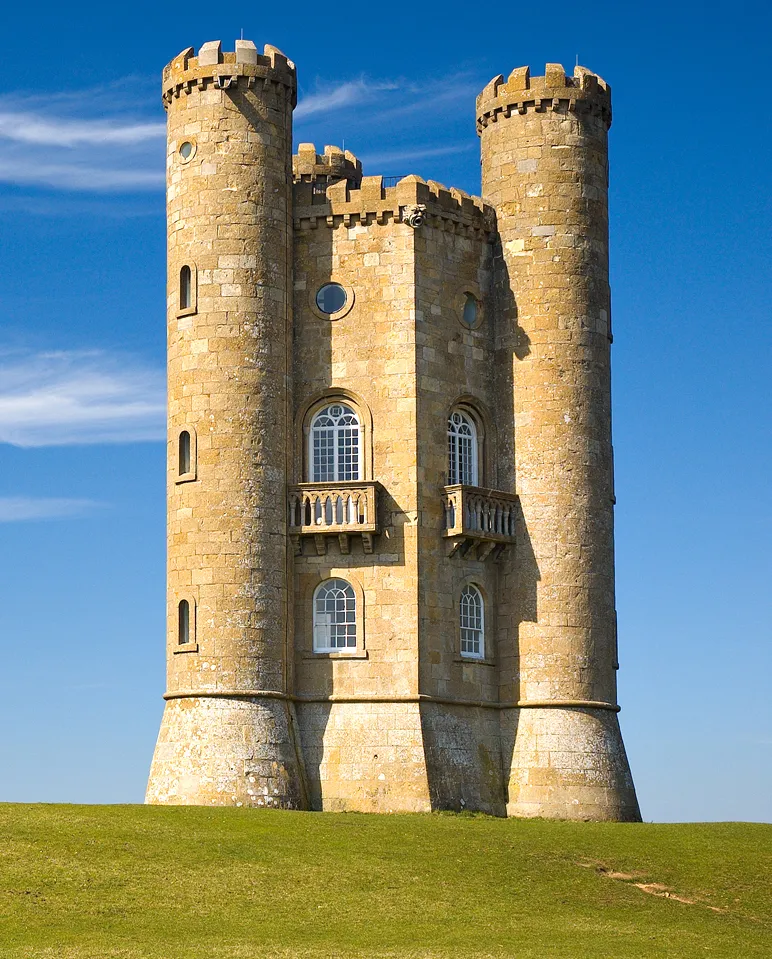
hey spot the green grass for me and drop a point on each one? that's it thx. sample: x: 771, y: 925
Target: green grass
x: 133, y: 881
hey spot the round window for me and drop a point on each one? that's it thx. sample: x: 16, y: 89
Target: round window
x: 470, y: 311
x: 331, y: 298
x: 186, y: 150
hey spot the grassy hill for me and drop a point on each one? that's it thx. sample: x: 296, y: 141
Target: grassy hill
x: 167, y: 883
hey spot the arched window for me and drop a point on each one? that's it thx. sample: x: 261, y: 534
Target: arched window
x: 462, y: 449
x: 334, y: 445
x: 471, y: 613
x: 335, y: 616
x: 185, y: 462
x: 186, y: 288
x: 183, y: 622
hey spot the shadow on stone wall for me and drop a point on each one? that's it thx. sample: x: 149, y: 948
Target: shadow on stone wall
x: 463, y: 758
x: 520, y: 572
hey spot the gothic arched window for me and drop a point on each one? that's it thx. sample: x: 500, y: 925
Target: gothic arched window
x: 335, y: 616
x: 462, y: 449
x: 472, y: 622
x: 334, y: 445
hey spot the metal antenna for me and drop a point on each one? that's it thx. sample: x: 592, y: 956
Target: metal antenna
x: 242, y: 33
x: 577, y: 57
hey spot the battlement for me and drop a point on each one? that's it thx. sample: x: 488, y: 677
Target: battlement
x: 412, y: 200
x: 244, y: 67
x: 520, y: 93
x: 333, y: 165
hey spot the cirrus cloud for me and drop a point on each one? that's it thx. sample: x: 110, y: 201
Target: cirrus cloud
x: 16, y: 509
x: 86, y: 396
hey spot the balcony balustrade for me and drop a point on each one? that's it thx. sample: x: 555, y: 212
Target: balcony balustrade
x: 481, y: 518
x: 322, y: 510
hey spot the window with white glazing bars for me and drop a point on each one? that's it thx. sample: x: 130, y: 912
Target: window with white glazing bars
x: 334, y: 445
x: 472, y: 621
x: 335, y: 616
x: 462, y: 449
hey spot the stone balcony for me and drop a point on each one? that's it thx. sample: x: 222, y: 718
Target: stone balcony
x: 481, y: 519
x: 323, y: 510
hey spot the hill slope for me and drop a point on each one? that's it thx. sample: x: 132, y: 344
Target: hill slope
x: 133, y: 881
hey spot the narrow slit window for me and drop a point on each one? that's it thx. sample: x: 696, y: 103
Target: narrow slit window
x: 186, y: 288
x: 183, y: 622
x: 185, y: 461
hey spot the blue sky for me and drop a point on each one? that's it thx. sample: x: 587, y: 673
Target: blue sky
x: 82, y: 354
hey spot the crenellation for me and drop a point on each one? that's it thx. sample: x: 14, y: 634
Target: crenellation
x: 555, y: 92
x: 214, y: 70
x: 340, y: 204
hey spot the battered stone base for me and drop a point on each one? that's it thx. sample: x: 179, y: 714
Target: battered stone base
x: 227, y: 752
x: 365, y: 757
x: 463, y: 758
x: 568, y: 764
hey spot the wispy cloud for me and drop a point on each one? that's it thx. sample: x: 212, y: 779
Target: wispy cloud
x: 338, y: 96
x: 76, y: 176
x: 92, y: 140
x: 110, y: 139
x: 66, y: 398
x: 27, y: 127
x: 393, y: 121
x: 416, y: 153
x: 15, y: 509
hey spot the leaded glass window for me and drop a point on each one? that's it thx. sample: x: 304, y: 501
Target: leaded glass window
x: 472, y: 622
x: 335, y: 445
x: 462, y: 450
x: 335, y: 616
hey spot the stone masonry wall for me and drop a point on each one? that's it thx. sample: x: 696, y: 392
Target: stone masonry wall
x: 357, y: 749
x: 545, y: 170
x: 229, y: 221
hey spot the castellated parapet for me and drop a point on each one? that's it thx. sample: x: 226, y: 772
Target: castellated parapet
x: 390, y: 476
x: 329, y: 167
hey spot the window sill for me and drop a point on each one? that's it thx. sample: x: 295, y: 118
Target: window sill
x: 474, y: 660
x: 185, y: 478
x: 188, y: 311
x: 185, y: 648
x: 337, y: 654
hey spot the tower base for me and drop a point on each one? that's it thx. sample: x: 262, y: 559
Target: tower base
x: 227, y: 751
x: 568, y: 763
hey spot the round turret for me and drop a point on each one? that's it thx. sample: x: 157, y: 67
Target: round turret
x: 227, y: 735
x: 545, y: 170
x: 331, y: 167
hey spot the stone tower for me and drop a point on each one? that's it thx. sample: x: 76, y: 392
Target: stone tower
x: 390, y: 476
x: 228, y: 733
x: 545, y: 172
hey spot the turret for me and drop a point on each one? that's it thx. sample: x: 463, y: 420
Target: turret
x: 227, y: 735
x: 545, y: 171
x: 327, y: 168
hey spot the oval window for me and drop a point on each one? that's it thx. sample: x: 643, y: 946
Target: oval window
x: 470, y: 311
x: 331, y: 298
x: 186, y: 150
